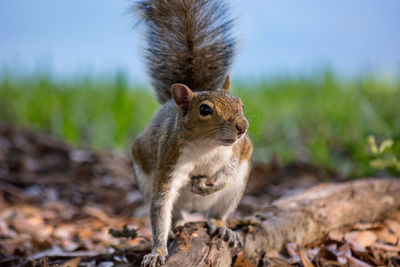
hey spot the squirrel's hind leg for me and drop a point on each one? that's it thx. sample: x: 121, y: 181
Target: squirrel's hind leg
x: 177, y: 220
x: 216, y: 224
x: 226, y: 203
x: 218, y: 227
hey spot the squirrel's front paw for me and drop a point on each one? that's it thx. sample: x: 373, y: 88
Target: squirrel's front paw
x: 154, y: 259
x: 203, y: 185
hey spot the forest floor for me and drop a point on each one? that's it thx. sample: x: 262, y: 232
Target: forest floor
x: 58, y: 204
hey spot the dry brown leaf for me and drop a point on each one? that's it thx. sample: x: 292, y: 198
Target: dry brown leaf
x: 394, y: 226
x: 242, y: 261
x: 356, y: 246
x: 8, y: 246
x: 367, y: 226
x: 378, y: 245
x: 386, y: 236
x: 336, y: 235
x: 294, y: 260
x: 98, y: 213
x: 72, y: 263
x: 359, y: 240
x: 342, y: 259
x: 332, y: 247
x: 342, y: 253
x: 273, y: 253
x: 275, y: 262
x: 5, y: 231
x: 366, y: 238
x: 69, y: 245
x: 94, y: 223
x: 351, y: 235
x: 64, y: 231
x: 344, y: 250
x: 304, y: 259
x: 44, y: 232
x: 354, y: 262
x: 325, y: 257
x: 85, y: 234
x: 313, y: 252
x: 291, y: 249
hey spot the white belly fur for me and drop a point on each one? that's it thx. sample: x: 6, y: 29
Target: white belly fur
x: 219, y: 201
x: 195, y: 161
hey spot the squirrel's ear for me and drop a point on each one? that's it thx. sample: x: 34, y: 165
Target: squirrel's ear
x: 227, y: 84
x: 182, y: 96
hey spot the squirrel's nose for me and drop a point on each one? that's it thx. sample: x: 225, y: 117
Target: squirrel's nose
x: 241, y: 126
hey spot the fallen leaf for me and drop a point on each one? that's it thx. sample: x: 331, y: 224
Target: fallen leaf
x: 97, y: 213
x: 368, y: 226
x: 386, y: 247
x: 273, y: 253
x: 351, y: 235
x: 72, y: 263
x: 275, y: 261
x: 359, y: 240
x: 336, y: 235
x: 394, y: 227
x: 242, y: 261
x: 304, y: 259
x: 356, y: 246
x: 5, y: 231
x: 386, y: 236
x: 291, y: 249
x: 344, y: 250
x: 354, y: 262
x: 366, y: 238
x: 325, y: 257
x: 332, y: 247
x: 313, y: 252
x: 64, y: 231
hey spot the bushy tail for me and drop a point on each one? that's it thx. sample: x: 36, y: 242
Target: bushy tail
x: 189, y: 42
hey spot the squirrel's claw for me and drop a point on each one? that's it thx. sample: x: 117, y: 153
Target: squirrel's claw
x: 230, y: 236
x: 153, y: 259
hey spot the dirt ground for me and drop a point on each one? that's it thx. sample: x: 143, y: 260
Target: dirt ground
x: 58, y: 204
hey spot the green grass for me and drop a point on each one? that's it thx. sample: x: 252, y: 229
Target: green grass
x: 101, y: 114
x: 319, y: 119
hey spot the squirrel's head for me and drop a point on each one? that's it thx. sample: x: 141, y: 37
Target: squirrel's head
x: 215, y: 117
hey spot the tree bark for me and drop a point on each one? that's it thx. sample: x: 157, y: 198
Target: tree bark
x: 299, y: 219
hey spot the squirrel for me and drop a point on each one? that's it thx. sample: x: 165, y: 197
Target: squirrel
x: 195, y: 153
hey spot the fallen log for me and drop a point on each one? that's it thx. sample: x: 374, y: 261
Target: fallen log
x: 299, y: 219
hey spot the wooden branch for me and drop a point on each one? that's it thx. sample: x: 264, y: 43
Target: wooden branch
x: 300, y: 219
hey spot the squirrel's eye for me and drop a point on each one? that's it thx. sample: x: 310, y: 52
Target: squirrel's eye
x: 243, y: 107
x: 205, y: 110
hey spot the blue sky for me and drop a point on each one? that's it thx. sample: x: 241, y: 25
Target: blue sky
x: 97, y: 36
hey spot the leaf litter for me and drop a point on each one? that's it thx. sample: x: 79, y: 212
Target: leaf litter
x: 64, y: 206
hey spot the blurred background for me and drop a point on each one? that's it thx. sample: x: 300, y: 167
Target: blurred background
x: 320, y: 80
